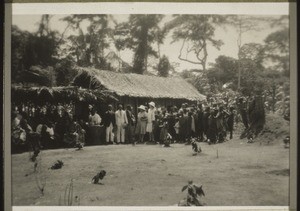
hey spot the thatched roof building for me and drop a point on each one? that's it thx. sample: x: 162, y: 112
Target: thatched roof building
x: 58, y: 94
x: 138, y: 86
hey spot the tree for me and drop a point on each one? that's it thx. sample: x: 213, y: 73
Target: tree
x: 282, y: 21
x: 36, y: 50
x: 88, y: 49
x: 44, y: 43
x: 65, y: 71
x: 138, y: 34
x: 244, y: 24
x: 164, y: 66
x: 274, y: 83
x: 19, y: 41
x: 257, y: 117
x: 195, y: 32
x: 254, y: 52
x: 198, y: 79
x: 223, y: 71
x: 277, y: 50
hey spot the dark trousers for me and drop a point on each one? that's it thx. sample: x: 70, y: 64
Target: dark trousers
x: 245, y: 119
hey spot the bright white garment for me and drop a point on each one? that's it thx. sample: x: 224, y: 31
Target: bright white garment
x: 95, y: 119
x: 109, y: 133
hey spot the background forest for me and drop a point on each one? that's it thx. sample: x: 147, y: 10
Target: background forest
x: 49, y: 57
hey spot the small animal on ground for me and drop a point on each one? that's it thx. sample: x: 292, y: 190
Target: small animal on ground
x: 196, y: 147
x: 286, y: 142
x: 168, y: 140
x: 57, y: 165
x: 194, y: 194
x: 250, y: 138
x: 99, y: 176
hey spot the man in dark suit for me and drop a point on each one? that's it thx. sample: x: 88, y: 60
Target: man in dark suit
x: 109, y: 122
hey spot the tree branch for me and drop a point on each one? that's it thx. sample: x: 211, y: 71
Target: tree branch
x: 182, y: 59
x: 62, y: 35
x: 180, y: 55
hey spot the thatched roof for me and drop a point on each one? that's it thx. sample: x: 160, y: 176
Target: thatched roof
x: 136, y: 85
x: 59, y: 93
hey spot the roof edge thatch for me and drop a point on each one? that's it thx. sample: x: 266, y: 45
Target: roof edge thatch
x: 134, y: 84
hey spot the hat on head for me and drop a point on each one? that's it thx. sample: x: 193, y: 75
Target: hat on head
x: 142, y: 107
x: 152, y: 104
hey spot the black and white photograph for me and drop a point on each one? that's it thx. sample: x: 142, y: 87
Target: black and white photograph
x: 151, y: 108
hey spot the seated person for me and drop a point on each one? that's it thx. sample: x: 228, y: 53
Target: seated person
x: 94, y: 118
x: 18, y: 133
x: 32, y: 138
x: 46, y: 132
x: 75, y: 136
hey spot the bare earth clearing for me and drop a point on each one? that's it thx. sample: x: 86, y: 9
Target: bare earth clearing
x: 150, y: 175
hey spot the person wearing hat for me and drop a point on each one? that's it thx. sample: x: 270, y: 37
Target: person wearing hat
x: 151, y: 119
x: 142, y: 119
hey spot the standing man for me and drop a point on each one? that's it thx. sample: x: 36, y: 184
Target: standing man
x: 129, y: 132
x: 200, y: 121
x: 109, y: 122
x: 121, y: 122
x: 230, y: 120
x: 151, y: 119
x: 205, y: 118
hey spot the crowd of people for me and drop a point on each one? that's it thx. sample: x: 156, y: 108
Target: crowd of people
x: 54, y: 124
x: 160, y: 125
x: 57, y: 126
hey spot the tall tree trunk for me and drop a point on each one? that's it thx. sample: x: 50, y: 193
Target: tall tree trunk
x: 239, y: 43
x: 273, y: 98
x: 146, y: 48
x: 141, y: 53
x: 256, y: 118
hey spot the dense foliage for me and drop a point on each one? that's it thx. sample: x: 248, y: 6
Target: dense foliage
x: 47, y: 57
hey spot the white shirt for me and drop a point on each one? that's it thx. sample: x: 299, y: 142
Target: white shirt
x: 95, y: 119
x: 151, y: 115
x: 121, y: 117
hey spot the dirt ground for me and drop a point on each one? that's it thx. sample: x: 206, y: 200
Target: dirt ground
x: 149, y: 175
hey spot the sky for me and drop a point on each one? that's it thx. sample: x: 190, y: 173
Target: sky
x: 228, y: 35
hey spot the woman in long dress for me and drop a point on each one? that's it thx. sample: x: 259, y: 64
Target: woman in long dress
x: 142, y: 119
x: 150, y: 121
